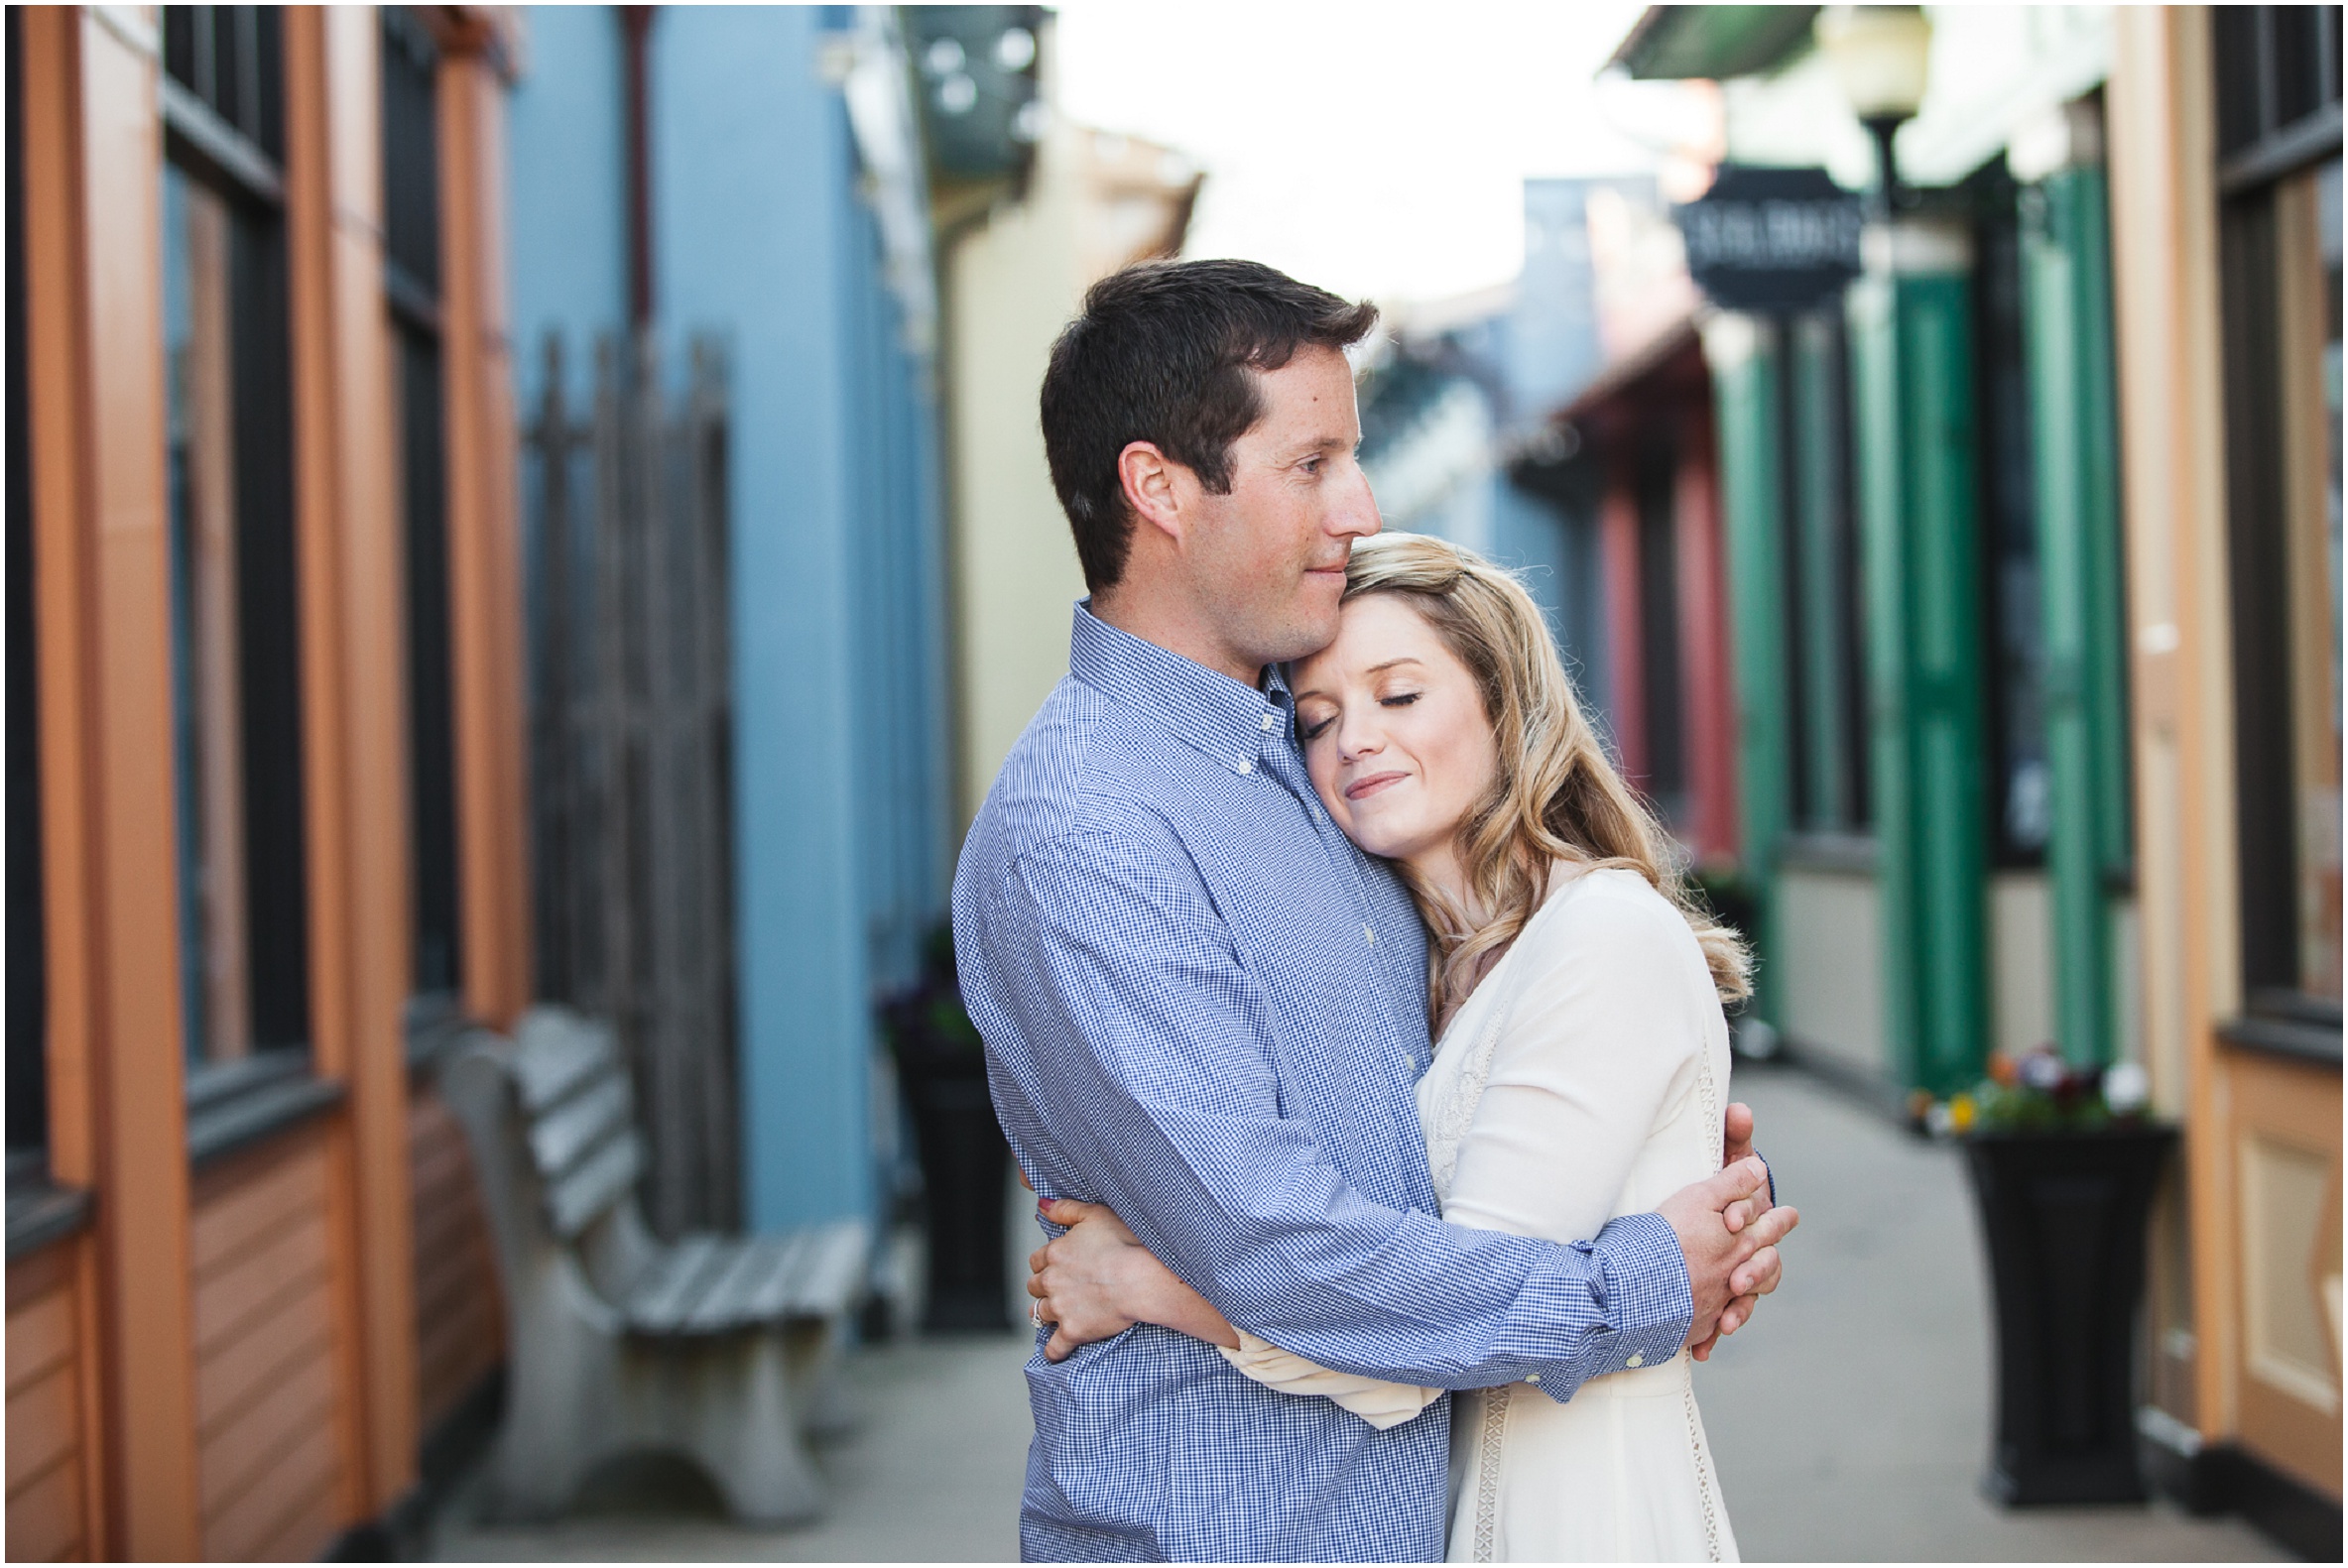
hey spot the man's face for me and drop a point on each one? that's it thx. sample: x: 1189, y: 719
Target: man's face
x: 1267, y: 561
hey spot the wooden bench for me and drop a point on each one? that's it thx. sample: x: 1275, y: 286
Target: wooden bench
x: 715, y: 1348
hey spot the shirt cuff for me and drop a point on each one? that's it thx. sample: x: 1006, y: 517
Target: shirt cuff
x: 1649, y: 1302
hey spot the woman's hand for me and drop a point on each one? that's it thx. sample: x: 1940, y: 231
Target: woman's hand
x: 1098, y: 1280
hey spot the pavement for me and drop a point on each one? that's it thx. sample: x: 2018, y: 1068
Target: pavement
x: 1850, y: 1422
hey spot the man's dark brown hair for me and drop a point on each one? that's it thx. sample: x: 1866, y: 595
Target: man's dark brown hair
x: 1165, y: 352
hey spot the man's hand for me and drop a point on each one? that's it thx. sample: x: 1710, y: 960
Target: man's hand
x: 1729, y: 1235
x: 1736, y: 1143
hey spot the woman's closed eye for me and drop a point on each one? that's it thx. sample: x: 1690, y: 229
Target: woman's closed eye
x: 1313, y: 730
x: 1400, y: 699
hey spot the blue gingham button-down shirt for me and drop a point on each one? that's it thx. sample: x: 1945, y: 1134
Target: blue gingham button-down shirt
x: 1203, y: 1006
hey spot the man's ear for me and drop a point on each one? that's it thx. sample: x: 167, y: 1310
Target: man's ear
x: 1146, y: 476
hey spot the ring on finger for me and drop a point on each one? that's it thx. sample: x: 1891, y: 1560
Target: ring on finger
x: 1036, y: 1313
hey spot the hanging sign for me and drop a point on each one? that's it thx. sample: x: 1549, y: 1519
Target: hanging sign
x: 1772, y: 239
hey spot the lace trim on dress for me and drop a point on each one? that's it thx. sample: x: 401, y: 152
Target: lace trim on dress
x: 1495, y: 1436
x: 1704, y: 1467
x: 1449, y: 1129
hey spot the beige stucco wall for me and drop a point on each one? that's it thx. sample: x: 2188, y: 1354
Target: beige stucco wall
x: 1830, y: 955
x: 2021, y: 956
x: 1009, y: 288
x: 1094, y: 202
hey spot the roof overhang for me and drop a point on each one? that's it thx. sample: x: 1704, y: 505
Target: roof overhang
x: 1669, y: 365
x: 1712, y: 43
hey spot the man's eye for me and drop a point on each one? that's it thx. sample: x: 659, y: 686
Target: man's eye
x: 1313, y: 732
x: 1312, y: 465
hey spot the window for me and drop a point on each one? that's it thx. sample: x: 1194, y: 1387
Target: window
x: 234, y: 635
x: 1826, y: 623
x: 27, y: 1009
x: 2279, y: 173
x: 411, y: 291
x: 2020, y: 792
x: 1666, y: 708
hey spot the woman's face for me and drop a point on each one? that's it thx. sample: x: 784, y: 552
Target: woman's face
x: 1394, y: 733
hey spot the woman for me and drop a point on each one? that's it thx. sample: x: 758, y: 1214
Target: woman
x: 1582, y: 1059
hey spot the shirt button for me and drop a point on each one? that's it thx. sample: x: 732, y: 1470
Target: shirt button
x: 1270, y: 723
x: 1533, y: 1376
x: 1635, y: 1359
x: 1247, y: 765
x: 1369, y: 937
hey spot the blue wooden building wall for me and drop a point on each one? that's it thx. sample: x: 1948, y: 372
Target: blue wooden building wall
x: 762, y: 239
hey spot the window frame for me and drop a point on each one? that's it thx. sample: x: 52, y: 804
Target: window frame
x: 233, y: 147
x: 27, y: 948
x: 2260, y: 144
x: 411, y: 284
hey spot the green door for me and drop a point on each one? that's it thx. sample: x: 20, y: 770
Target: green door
x: 2066, y: 301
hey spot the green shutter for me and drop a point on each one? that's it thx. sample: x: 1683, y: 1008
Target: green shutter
x: 1745, y: 387
x: 2067, y: 317
x: 1912, y: 395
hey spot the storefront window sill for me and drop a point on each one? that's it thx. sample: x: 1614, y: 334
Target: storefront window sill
x: 239, y: 1104
x: 1851, y: 854
x: 434, y: 1024
x: 2287, y: 1026
x: 40, y: 1211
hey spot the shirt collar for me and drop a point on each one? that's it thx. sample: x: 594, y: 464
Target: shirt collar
x: 1203, y: 707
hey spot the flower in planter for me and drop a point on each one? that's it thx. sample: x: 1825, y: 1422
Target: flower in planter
x: 2038, y: 1092
x: 1951, y: 1118
x: 2127, y: 1088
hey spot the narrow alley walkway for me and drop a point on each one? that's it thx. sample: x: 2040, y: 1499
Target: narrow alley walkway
x: 931, y: 1474
x: 1850, y: 1424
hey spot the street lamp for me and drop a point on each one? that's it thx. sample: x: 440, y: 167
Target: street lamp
x: 1882, y: 56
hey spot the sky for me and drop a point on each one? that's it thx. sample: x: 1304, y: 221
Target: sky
x: 1375, y: 149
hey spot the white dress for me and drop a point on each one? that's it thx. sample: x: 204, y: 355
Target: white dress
x: 1582, y: 1080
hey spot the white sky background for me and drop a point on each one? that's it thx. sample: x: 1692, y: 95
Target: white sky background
x: 1375, y: 149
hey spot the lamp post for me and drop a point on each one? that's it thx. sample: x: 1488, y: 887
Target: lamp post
x: 1881, y: 54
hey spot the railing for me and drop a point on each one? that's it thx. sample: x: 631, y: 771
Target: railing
x: 630, y: 737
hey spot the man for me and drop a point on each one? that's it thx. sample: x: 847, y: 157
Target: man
x: 1205, y: 1007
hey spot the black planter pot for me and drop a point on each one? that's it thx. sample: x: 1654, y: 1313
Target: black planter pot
x: 964, y: 1166
x: 2063, y: 1215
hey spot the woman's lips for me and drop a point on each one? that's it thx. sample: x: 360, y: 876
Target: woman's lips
x: 1363, y: 788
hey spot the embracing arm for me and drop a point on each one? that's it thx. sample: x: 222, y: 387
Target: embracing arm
x: 1098, y: 1280
x: 1150, y: 1065
x: 1602, y: 1033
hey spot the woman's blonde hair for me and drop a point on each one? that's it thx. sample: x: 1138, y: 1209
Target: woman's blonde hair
x: 1555, y: 795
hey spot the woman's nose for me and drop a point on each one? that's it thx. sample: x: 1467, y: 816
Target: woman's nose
x: 1359, y: 738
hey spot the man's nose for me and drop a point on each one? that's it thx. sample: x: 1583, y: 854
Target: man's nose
x: 1357, y: 514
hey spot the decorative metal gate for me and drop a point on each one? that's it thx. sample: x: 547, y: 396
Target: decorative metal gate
x: 630, y: 742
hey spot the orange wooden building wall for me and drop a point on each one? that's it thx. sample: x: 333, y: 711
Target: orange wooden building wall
x: 241, y: 1361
